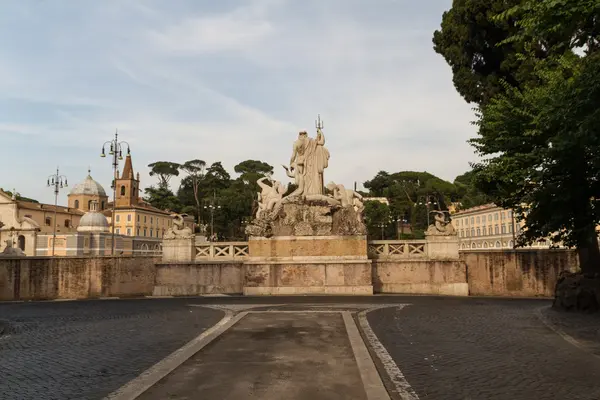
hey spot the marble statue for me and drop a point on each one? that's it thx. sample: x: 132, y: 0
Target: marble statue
x: 11, y: 251
x: 269, y: 196
x: 309, y: 159
x: 178, y: 231
x: 441, y: 225
x: 347, y: 198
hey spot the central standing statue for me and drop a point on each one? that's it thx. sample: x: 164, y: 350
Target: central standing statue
x: 309, y: 160
x: 311, y: 209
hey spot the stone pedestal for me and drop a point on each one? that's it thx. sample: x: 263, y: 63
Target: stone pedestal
x: 308, y: 265
x: 179, y: 250
x: 442, y: 247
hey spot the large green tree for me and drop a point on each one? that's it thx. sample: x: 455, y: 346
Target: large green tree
x: 469, y: 40
x: 195, y: 173
x: 164, y: 170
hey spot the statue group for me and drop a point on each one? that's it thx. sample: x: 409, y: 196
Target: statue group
x: 312, y: 208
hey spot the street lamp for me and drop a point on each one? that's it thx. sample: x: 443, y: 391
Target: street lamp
x: 212, y: 207
x: 427, y: 202
x: 116, y: 151
x: 58, y: 182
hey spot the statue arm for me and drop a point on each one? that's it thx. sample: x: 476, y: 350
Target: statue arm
x: 293, y: 157
x: 320, y: 138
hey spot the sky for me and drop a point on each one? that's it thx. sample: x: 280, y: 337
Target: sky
x: 226, y: 80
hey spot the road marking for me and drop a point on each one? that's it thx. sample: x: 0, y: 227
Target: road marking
x: 371, y: 380
x: 402, y: 387
x: 151, y: 376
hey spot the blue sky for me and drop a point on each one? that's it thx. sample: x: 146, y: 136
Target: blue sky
x: 225, y: 80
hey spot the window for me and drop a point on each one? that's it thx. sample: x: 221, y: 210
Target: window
x: 128, y: 217
x: 48, y: 221
x: 89, y: 204
x: 144, y: 231
x: 138, y: 218
x: 510, y: 214
x: 151, y: 233
x: 489, y: 229
x: 102, y: 205
x: 122, y: 190
x: 478, y: 232
x: 138, y: 231
x: 472, y: 220
x: 145, y: 220
x: 157, y: 232
x: 490, y: 217
x: 76, y: 204
x: 510, y: 229
x: 67, y: 223
x: 503, y: 228
x: 462, y: 233
x: 128, y: 231
x: 118, y: 218
x: 118, y: 231
x: 484, y: 231
x: 151, y: 220
x: 472, y: 231
x: 496, y: 217
x: 478, y: 219
x: 496, y: 231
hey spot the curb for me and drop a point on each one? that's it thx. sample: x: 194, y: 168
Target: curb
x: 581, y: 345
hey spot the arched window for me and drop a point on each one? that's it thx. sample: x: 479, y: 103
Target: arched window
x: 21, y: 242
x: 511, y: 244
x: 122, y: 190
x: 48, y: 221
x: 67, y: 223
x: 76, y: 204
x: 473, y: 245
x: 498, y: 244
x: 485, y: 245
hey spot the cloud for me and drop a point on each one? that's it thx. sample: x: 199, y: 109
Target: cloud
x: 228, y: 81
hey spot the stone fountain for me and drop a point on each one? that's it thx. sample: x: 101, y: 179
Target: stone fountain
x: 312, y: 240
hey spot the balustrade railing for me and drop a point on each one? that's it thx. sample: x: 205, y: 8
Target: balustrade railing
x: 397, y: 248
x: 221, y: 250
x: 376, y: 249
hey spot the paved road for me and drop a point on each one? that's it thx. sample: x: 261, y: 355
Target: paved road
x: 447, y: 348
x: 484, y: 349
x: 85, y: 350
x: 270, y: 356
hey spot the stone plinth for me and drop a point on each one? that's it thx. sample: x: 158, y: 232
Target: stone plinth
x: 308, y: 247
x: 442, y: 247
x: 308, y: 265
x: 179, y: 250
x: 351, y: 277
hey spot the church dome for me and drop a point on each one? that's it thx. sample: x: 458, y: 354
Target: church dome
x: 93, y: 221
x: 88, y: 187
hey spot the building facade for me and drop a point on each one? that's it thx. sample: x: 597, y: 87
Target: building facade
x: 489, y: 226
x: 135, y: 217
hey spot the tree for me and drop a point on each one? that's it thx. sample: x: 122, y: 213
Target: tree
x: 469, y: 40
x: 162, y: 198
x: 544, y: 155
x: 165, y: 170
x: 469, y: 194
x: 195, y: 172
x: 377, y: 218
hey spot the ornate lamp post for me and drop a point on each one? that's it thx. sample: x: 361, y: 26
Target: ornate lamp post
x: 58, y: 182
x: 212, y: 206
x: 116, y: 151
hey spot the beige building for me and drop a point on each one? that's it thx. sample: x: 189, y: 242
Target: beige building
x: 489, y: 226
x: 135, y: 217
x: 23, y: 221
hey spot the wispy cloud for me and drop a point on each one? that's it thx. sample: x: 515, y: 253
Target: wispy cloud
x: 227, y: 81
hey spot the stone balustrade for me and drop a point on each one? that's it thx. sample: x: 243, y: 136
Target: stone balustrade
x: 225, y: 251
x: 397, y: 249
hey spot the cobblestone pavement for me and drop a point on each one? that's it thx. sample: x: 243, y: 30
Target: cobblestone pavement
x: 459, y: 349
x: 85, y: 350
x: 583, y: 327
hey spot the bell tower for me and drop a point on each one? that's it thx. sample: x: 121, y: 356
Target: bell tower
x: 127, y: 187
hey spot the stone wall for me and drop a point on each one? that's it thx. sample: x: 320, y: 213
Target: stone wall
x: 420, y: 276
x: 516, y: 273
x: 42, y: 278
x: 193, y: 279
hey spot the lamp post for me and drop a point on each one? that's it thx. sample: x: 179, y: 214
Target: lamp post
x: 212, y: 207
x: 116, y: 151
x: 58, y: 182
